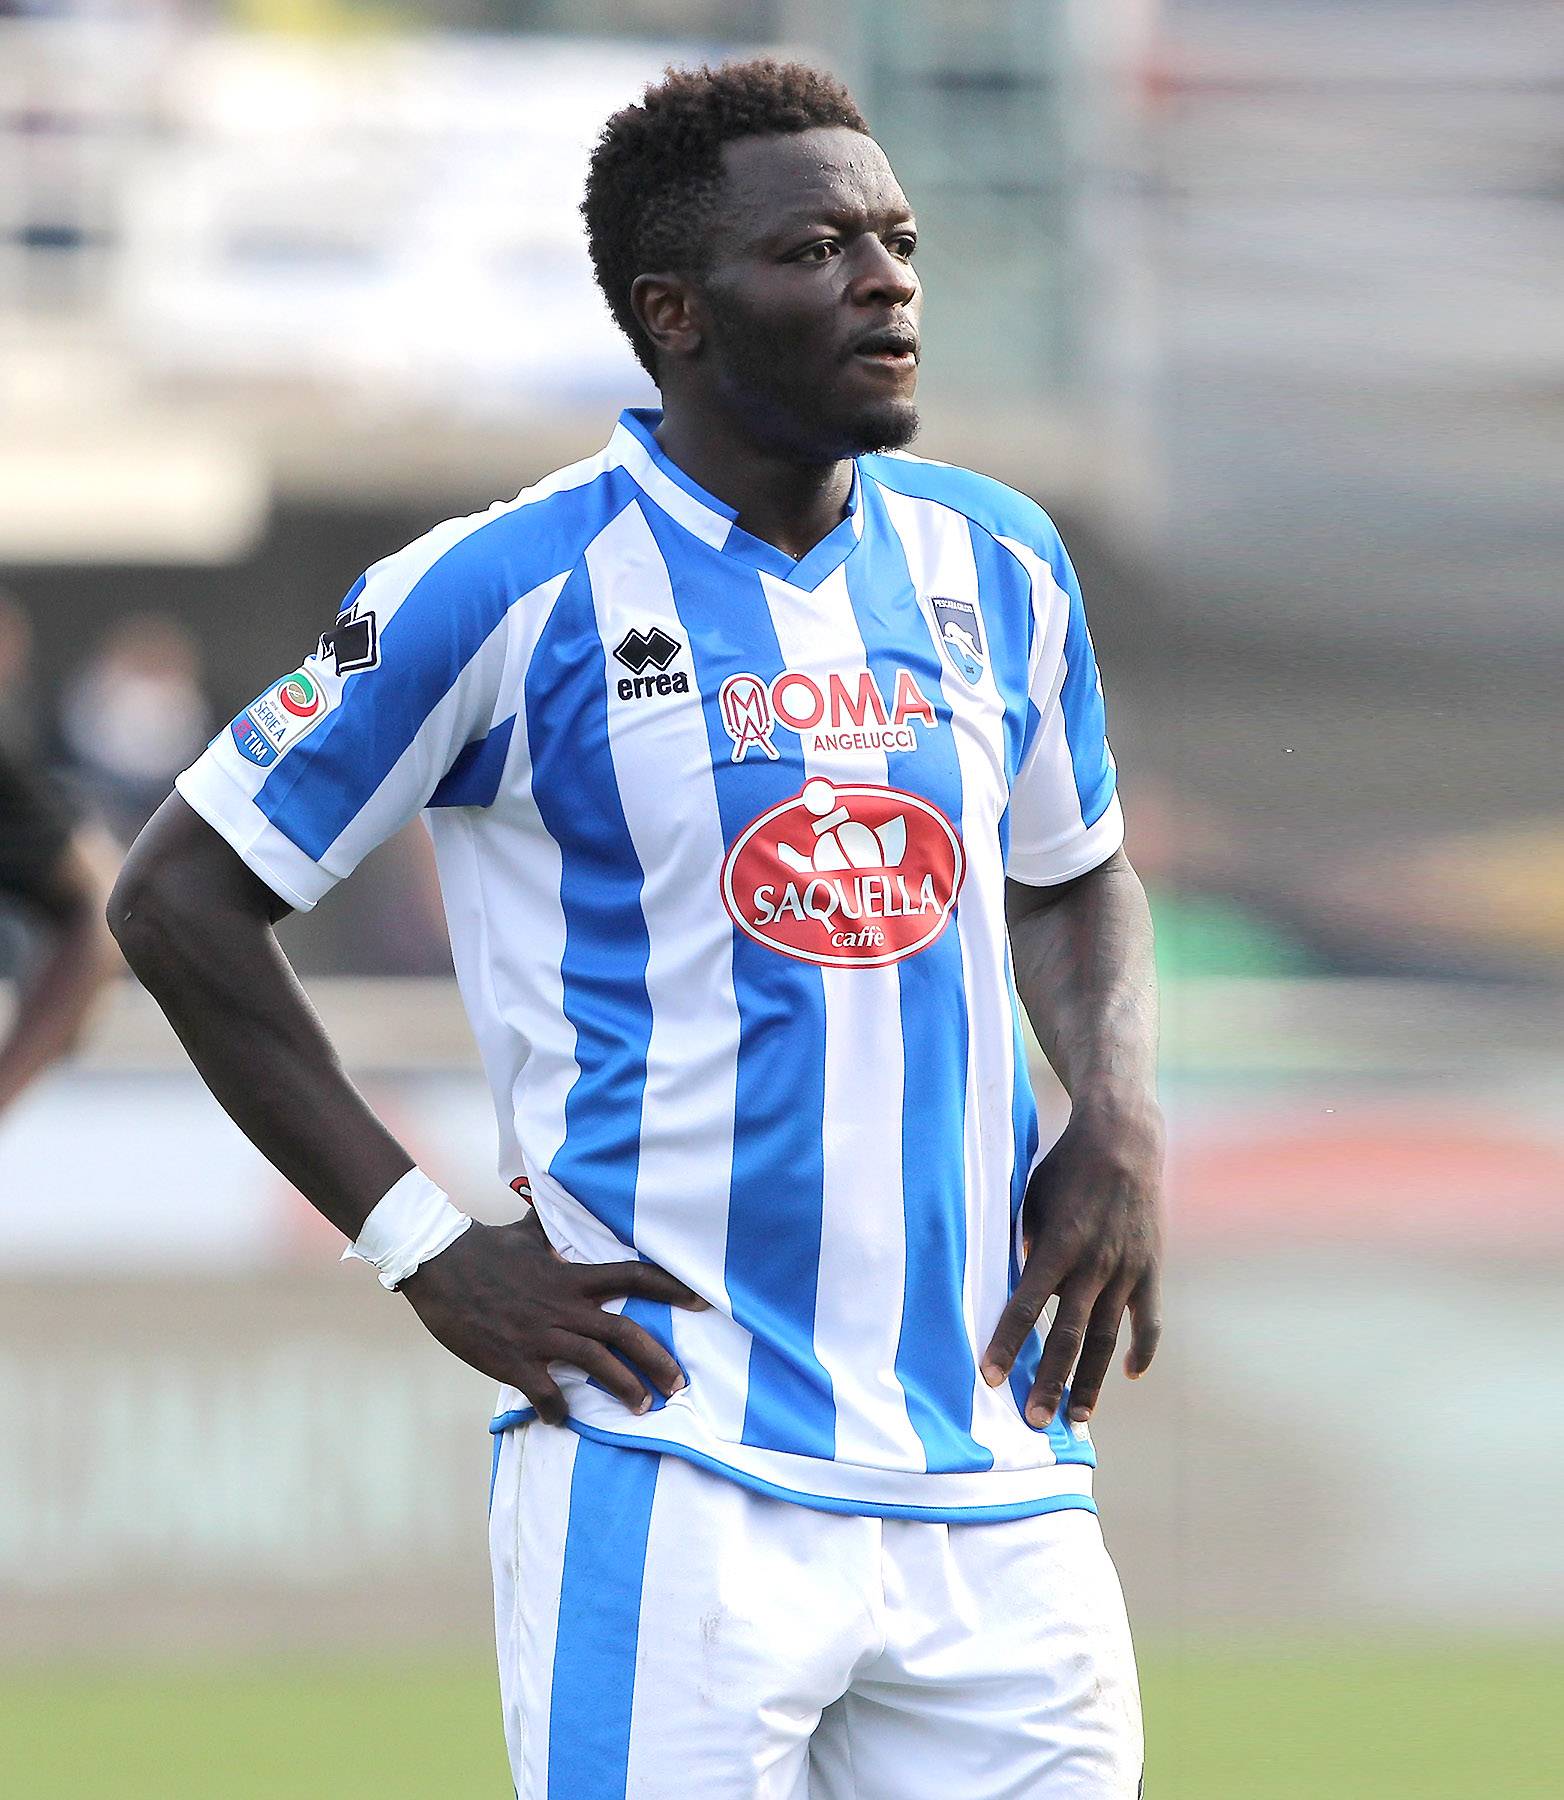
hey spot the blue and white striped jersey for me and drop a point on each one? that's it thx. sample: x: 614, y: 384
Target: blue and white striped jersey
x: 723, y: 840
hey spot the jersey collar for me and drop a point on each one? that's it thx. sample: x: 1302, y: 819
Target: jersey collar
x: 634, y: 445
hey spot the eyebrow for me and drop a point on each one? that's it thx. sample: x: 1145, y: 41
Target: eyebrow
x: 841, y: 217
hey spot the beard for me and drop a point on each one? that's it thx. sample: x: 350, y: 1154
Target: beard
x: 791, y: 410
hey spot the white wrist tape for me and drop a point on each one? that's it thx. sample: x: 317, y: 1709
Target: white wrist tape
x: 411, y: 1222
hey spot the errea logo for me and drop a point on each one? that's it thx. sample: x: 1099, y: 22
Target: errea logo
x: 639, y: 651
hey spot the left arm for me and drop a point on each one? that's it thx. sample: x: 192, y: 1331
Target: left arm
x: 1083, y: 966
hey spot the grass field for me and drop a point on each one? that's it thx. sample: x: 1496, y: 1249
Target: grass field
x: 1380, y: 1724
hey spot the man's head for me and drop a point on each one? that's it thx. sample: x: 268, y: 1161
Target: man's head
x: 754, y: 247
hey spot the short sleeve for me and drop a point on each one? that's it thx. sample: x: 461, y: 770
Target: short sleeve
x: 401, y: 694
x: 1064, y: 815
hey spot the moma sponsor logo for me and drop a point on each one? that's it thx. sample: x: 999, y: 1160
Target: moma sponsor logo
x: 848, y: 712
x: 848, y: 875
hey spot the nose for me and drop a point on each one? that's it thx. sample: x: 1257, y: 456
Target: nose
x: 882, y: 278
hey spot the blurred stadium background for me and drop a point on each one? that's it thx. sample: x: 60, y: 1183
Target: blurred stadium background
x: 1263, y: 303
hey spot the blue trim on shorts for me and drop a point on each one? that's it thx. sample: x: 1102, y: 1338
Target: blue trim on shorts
x: 508, y: 1421
x: 494, y: 1470
x: 593, y: 1689
x: 862, y: 1509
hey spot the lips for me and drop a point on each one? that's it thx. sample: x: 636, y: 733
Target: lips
x: 889, y: 341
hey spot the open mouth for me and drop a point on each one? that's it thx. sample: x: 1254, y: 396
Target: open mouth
x: 894, y: 349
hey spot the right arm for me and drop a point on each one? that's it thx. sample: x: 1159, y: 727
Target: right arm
x: 195, y: 924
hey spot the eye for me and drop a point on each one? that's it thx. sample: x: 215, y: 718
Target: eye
x: 821, y: 250
x: 903, y: 244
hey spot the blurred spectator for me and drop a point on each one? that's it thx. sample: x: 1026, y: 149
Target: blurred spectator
x: 133, y: 716
x: 58, y: 876
x: 18, y: 711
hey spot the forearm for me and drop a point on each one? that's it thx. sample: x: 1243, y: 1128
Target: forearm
x: 216, y: 969
x: 196, y: 925
x: 1085, y: 973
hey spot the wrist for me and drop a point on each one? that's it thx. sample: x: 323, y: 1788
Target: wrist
x: 1118, y: 1108
x: 412, y: 1222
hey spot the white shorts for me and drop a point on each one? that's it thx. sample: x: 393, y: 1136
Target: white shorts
x: 666, y: 1634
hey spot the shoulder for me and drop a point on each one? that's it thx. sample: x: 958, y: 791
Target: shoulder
x: 989, y: 504
x: 507, y: 549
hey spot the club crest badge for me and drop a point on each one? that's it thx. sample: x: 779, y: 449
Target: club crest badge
x: 961, y: 634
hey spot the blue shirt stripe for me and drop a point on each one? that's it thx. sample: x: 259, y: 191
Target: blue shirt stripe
x: 603, y: 968
x: 1005, y: 599
x: 607, y: 946
x: 314, y: 792
x: 1080, y: 699
x: 934, y: 1360
x: 474, y: 778
x: 777, y: 1186
x: 1000, y: 512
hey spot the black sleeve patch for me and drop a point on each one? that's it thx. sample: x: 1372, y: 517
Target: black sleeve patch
x: 353, y: 643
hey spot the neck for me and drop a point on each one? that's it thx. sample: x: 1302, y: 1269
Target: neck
x: 786, y: 503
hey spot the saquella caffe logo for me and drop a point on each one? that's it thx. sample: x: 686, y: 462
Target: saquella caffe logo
x: 852, y: 876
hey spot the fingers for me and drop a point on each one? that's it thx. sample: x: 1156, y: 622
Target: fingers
x: 1102, y: 1334
x: 643, y: 1279
x: 620, y: 1355
x: 600, y: 1356
x: 600, y: 1363
x: 638, y: 1346
x: 611, y: 1281
x: 608, y: 1354
x: 1145, y: 1325
x: 1060, y: 1349
x: 546, y: 1397
x: 1016, y: 1323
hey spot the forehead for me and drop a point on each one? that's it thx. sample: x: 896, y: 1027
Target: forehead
x: 775, y: 181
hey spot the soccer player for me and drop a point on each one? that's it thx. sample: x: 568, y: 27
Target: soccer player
x: 736, y: 741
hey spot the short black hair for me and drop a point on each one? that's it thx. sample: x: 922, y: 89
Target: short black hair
x: 655, y: 174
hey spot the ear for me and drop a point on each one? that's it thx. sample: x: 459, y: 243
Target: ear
x: 669, y: 312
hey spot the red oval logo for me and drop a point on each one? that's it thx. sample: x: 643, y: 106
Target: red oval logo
x: 849, y: 875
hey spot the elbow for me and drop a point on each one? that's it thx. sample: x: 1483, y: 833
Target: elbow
x: 184, y: 915
x: 141, y: 919
x: 123, y: 903
x: 185, y: 909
